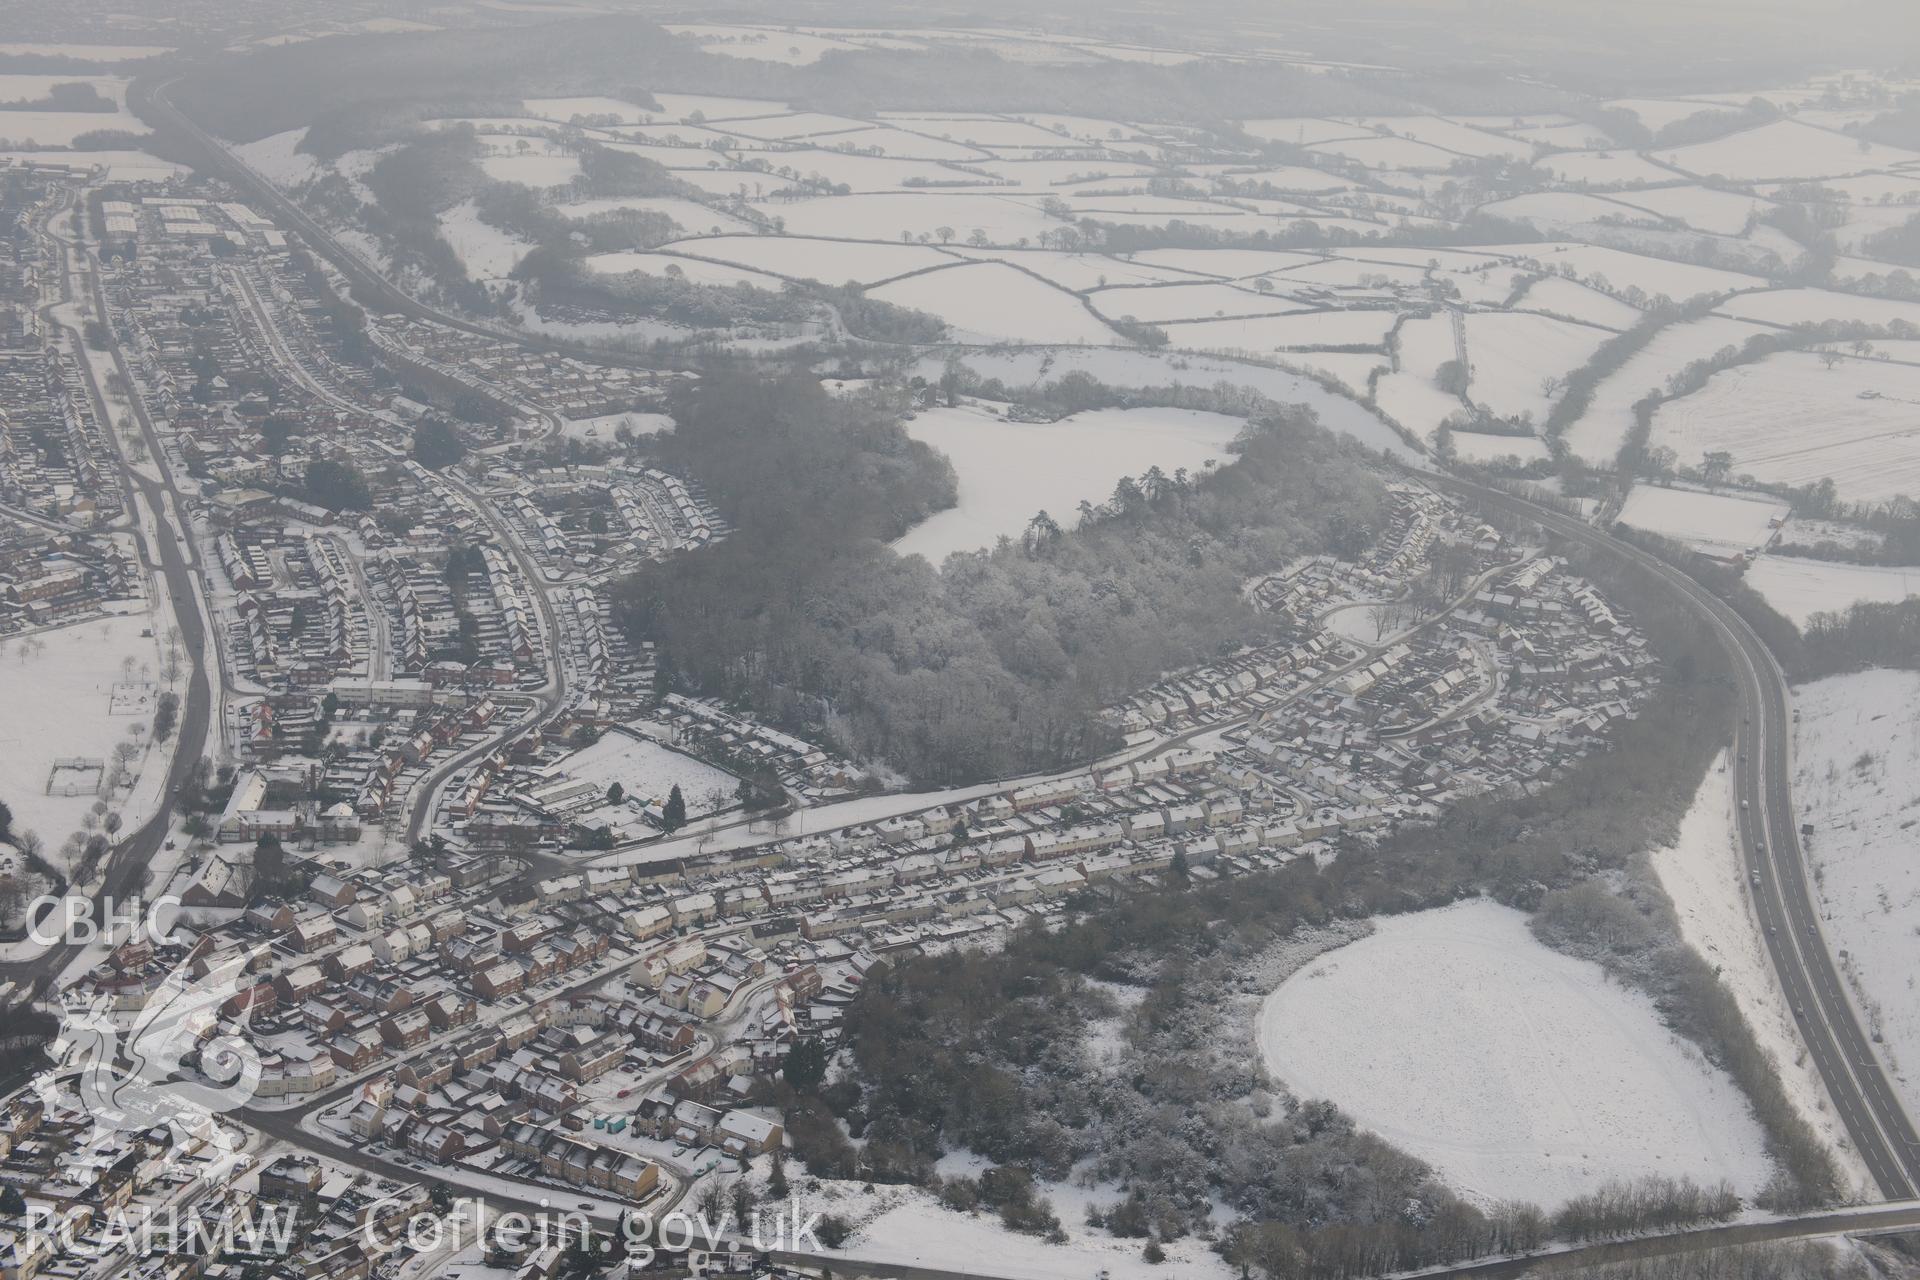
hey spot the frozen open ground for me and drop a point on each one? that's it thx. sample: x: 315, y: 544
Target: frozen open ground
x: 60, y: 705
x: 1800, y: 588
x: 1720, y: 524
x: 1857, y: 780
x: 646, y: 770
x: 1010, y: 470
x: 1790, y: 419
x: 1519, y: 1073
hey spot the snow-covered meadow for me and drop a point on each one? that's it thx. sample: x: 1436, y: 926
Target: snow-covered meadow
x: 644, y: 768
x: 1519, y: 1073
x: 1009, y: 471
x: 1792, y: 419
x: 1857, y: 781
x: 1722, y: 524
x: 61, y: 705
x: 1799, y: 588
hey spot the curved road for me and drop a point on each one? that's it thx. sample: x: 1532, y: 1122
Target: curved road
x: 1882, y: 1132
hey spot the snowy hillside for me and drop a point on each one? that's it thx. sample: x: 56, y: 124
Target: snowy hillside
x: 1857, y: 780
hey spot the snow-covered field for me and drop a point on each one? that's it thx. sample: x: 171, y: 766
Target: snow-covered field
x: 1474, y: 447
x: 990, y: 302
x: 648, y: 771
x: 1606, y: 168
x: 606, y: 425
x: 1127, y: 368
x: 532, y: 170
x: 1800, y: 588
x: 275, y: 158
x: 32, y: 88
x: 1156, y: 304
x: 694, y: 269
x: 1601, y: 430
x: 1512, y: 353
x: 1702, y: 208
x: 60, y: 706
x: 691, y: 216
x: 1616, y: 269
x: 828, y: 261
x: 1814, y: 306
x: 908, y: 1227
x: 1556, y: 296
x: 1008, y: 471
x: 487, y: 252
x: 1717, y: 523
x: 1789, y: 419
x: 60, y: 128
x: 1783, y: 149
x: 1227, y: 264
x: 95, y: 52
x: 1857, y: 780
x: 1415, y: 403
x: 886, y: 215
x: 1519, y: 1073
x: 1266, y: 334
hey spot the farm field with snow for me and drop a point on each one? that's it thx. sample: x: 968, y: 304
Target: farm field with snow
x: 1129, y: 368
x: 58, y: 129
x: 1478, y: 447
x: 1788, y: 419
x: 1817, y: 306
x: 1512, y: 354
x: 1720, y: 524
x: 1412, y: 1032
x: 1616, y: 269
x: 828, y: 261
x: 532, y: 170
x: 1266, y: 334
x: 1600, y: 431
x: 1784, y: 149
x: 1157, y: 304
x: 1798, y: 588
x: 989, y: 302
x: 1857, y: 780
x: 1555, y: 296
x: 886, y: 215
x: 1009, y: 471
x: 695, y: 269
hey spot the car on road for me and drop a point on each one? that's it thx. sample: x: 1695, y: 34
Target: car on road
x: 1743, y: 804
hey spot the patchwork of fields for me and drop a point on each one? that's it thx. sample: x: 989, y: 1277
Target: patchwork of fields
x: 1350, y: 249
